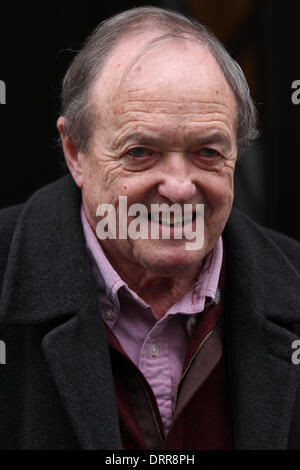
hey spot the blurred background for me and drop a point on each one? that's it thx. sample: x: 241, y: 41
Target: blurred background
x: 38, y: 42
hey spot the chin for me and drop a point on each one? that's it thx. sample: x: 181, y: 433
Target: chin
x: 170, y: 260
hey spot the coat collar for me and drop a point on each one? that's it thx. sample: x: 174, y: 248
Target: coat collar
x: 49, y: 279
x: 262, y: 308
x: 48, y: 274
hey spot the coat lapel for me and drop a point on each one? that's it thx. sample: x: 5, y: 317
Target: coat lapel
x: 49, y: 282
x: 261, y: 306
x: 78, y: 358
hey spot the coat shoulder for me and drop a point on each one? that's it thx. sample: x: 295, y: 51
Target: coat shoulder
x: 8, y: 220
x: 289, y: 246
x: 248, y: 229
x: 267, y: 263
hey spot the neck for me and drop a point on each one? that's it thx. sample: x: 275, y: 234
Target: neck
x: 158, y: 291
x: 163, y: 292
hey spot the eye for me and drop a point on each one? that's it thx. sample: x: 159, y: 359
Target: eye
x: 139, y: 158
x: 208, y: 158
x: 208, y: 152
x: 139, y: 152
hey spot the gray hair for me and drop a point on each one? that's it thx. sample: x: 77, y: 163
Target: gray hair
x: 89, y: 62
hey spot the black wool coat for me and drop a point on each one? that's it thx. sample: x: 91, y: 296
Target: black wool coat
x: 56, y: 387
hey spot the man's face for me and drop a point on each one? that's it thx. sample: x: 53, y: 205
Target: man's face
x: 164, y: 132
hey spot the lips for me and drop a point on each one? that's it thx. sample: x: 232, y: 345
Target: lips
x: 172, y: 220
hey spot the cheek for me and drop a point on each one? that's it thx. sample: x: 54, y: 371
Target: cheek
x: 218, y: 192
x: 102, y: 182
x: 136, y: 187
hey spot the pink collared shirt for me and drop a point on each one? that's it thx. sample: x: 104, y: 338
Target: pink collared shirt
x: 157, y: 347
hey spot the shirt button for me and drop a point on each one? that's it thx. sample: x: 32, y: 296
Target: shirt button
x: 154, y: 351
x: 108, y: 314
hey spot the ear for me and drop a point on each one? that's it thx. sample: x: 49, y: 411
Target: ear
x: 72, y: 154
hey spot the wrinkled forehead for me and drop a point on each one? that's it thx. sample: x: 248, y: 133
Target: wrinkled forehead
x: 162, y: 68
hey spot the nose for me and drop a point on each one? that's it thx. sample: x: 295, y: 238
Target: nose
x: 176, y: 183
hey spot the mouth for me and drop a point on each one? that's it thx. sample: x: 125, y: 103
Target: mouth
x: 172, y: 220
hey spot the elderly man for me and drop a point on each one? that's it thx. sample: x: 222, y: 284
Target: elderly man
x: 137, y: 342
